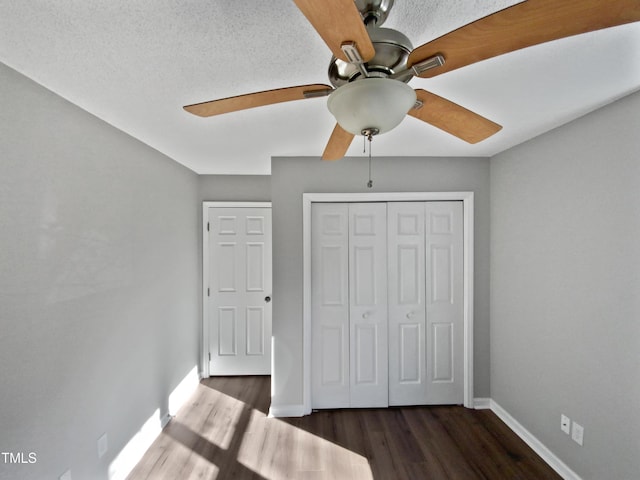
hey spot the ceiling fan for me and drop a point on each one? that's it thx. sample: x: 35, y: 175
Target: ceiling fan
x: 371, y: 65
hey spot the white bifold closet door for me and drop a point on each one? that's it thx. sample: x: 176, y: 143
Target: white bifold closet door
x: 386, y: 306
x: 349, y: 304
x: 426, y: 343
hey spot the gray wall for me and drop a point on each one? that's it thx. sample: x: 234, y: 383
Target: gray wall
x: 291, y: 177
x: 234, y: 188
x: 98, y: 282
x: 565, y: 293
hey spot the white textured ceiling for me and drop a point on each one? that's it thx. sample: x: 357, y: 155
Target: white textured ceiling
x: 135, y: 63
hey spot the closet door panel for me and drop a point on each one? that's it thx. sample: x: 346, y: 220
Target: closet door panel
x: 330, y: 305
x: 406, y: 275
x: 366, y: 348
x: 444, y: 302
x: 368, y: 304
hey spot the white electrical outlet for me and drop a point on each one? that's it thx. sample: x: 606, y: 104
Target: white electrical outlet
x: 565, y: 424
x: 65, y: 476
x: 577, y: 433
x: 103, y: 446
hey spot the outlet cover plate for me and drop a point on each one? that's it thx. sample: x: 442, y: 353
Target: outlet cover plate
x: 565, y: 424
x: 577, y: 433
x: 103, y: 446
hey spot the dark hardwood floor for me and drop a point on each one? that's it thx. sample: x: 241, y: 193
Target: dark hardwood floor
x: 223, y: 433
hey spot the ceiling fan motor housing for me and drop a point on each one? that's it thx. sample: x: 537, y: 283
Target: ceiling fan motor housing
x: 392, y: 52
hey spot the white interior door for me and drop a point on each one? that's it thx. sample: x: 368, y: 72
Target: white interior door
x: 239, y: 291
x: 368, y: 305
x: 330, y: 305
x: 444, y: 301
x: 407, y: 362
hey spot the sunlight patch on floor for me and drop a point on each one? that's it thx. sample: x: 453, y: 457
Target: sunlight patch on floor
x: 306, y: 454
x: 216, y: 435
x: 220, y: 426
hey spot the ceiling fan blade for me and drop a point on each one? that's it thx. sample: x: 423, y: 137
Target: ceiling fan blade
x: 338, y: 144
x: 258, y: 99
x: 452, y: 118
x: 523, y: 25
x: 338, y: 22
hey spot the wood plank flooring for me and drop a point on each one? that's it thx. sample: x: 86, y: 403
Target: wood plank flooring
x: 223, y: 433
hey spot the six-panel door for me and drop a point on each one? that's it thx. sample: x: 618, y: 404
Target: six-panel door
x: 407, y: 364
x: 330, y: 305
x: 445, y: 308
x: 240, y: 291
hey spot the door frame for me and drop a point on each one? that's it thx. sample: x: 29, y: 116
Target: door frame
x: 468, y: 244
x: 206, y: 205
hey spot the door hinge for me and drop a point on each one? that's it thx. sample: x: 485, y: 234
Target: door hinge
x: 207, y: 226
x: 209, y: 356
x: 208, y: 292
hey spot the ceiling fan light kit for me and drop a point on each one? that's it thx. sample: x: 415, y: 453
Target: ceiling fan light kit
x: 377, y: 104
x: 371, y: 66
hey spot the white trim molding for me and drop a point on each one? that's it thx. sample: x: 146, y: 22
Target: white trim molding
x: 287, y: 411
x: 536, y: 445
x: 482, y: 403
x: 468, y: 242
x: 204, y: 370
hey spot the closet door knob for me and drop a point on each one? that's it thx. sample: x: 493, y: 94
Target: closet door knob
x: 365, y: 315
x: 267, y: 299
x: 410, y: 314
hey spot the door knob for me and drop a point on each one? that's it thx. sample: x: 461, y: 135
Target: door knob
x: 365, y: 315
x: 410, y: 314
x: 267, y: 299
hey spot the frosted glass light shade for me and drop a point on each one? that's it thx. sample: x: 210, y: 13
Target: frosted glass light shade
x: 379, y: 103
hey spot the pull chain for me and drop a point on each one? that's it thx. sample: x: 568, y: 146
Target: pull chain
x: 370, y: 182
x: 367, y: 134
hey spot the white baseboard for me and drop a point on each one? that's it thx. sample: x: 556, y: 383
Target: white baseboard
x: 132, y: 453
x: 481, y: 403
x: 287, y: 411
x: 536, y: 445
x: 164, y: 421
x: 183, y: 391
